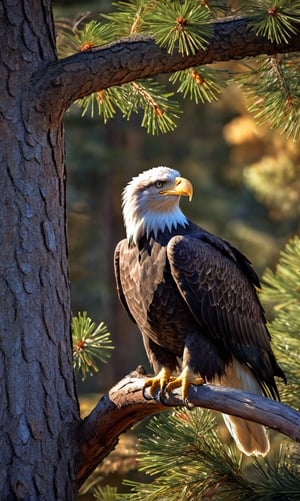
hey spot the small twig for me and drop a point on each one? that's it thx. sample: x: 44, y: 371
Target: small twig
x: 125, y: 405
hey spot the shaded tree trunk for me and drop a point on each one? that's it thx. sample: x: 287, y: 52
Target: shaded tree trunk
x: 38, y: 406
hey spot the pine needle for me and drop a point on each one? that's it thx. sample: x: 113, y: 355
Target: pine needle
x: 198, y: 84
x: 105, y: 493
x: 129, y: 18
x: 103, y: 103
x: 273, y: 87
x: 187, y: 461
x: 183, y: 26
x: 79, y: 36
x: 282, y: 289
x: 159, y: 110
x: 276, y: 20
x: 91, y: 343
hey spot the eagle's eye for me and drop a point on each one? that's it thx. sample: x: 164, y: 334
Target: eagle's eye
x: 159, y: 184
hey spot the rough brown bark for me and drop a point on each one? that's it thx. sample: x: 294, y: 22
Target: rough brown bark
x: 139, y: 57
x: 124, y: 406
x: 38, y: 409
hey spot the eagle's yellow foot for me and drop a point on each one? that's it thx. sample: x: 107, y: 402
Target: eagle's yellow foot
x: 158, y: 382
x: 184, y: 379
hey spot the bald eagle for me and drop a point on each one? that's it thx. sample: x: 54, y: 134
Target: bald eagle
x: 193, y: 297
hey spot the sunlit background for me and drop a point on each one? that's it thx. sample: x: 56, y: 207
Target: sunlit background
x: 246, y: 189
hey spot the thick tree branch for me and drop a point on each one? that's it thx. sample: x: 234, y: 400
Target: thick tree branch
x: 125, y: 405
x: 66, y: 80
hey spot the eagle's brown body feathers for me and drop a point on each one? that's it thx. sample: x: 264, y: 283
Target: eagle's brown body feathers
x: 193, y: 297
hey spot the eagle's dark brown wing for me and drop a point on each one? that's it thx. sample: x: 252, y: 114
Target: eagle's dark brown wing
x: 148, y: 297
x: 117, y: 265
x: 224, y: 302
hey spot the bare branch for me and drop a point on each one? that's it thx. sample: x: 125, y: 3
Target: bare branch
x: 138, y: 57
x: 125, y: 405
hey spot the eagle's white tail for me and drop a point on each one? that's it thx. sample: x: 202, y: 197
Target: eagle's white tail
x: 251, y: 438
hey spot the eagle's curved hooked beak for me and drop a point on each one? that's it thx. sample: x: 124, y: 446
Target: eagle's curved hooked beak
x: 182, y: 187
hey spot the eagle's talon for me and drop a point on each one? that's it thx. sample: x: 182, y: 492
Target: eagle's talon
x: 162, y: 397
x: 188, y: 405
x: 183, y: 381
x: 149, y: 396
x: 158, y: 382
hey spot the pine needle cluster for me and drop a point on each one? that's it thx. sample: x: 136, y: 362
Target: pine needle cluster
x: 187, y: 461
x: 181, y: 26
x: 276, y: 20
x: 272, y: 87
x: 281, y: 289
x: 91, y: 344
x: 186, y: 26
x: 199, y: 84
x: 80, y: 34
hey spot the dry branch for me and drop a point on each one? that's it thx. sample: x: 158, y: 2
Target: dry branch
x: 125, y: 405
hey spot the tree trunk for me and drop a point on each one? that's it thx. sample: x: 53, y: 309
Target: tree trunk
x: 38, y: 409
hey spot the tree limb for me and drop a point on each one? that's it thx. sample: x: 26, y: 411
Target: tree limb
x: 74, y: 77
x: 125, y: 405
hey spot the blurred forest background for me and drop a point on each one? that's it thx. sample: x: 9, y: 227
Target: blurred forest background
x: 246, y: 182
x: 246, y: 189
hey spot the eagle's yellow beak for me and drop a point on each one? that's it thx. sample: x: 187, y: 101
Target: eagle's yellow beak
x: 181, y: 186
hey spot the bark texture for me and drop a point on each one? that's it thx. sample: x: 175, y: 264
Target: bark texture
x: 139, y: 57
x: 125, y: 405
x: 38, y: 406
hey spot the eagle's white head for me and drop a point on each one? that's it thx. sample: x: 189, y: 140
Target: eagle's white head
x: 151, y: 202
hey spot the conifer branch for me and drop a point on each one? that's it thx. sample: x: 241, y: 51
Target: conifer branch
x: 125, y: 405
x: 138, y: 57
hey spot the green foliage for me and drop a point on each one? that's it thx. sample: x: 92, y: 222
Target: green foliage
x: 186, y: 26
x: 198, y: 440
x: 197, y: 83
x: 282, y: 289
x: 91, y: 343
x: 182, y: 26
x: 159, y: 110
x: 80, y: 36
x: 283, y: 285
x: 103, y: 102
x: 129, y: 18
x: 179, y: 453
x: 273, y: 19
x: 106, y: 493
x: 188, y: 461
x: 274, y: 92
x: 277, y: 478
